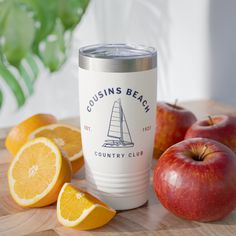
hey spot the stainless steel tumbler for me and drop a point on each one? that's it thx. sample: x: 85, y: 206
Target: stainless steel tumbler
x: 117, y: 96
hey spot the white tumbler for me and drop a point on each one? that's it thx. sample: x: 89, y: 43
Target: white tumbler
x: 117, y: 96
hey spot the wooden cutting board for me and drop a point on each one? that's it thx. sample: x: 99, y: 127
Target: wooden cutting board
x: 150, y: 219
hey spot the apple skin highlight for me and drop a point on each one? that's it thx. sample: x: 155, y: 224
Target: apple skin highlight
x: 197, y: 189
x: 222, y: 130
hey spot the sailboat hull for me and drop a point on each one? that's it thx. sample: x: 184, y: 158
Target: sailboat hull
x: 117, y: 144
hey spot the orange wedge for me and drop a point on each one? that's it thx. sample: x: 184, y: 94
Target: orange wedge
x: 68, y: 139
x: 37, y: 173
x: 18, y: 135
x: 80, y: 210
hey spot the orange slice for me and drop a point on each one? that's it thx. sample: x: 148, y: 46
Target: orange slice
x: 68, y: 139
x: 37, y: 173
x: 18, y: 135
x: 81, y: 210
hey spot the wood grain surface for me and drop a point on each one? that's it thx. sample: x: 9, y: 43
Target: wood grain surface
x: 150, y: 219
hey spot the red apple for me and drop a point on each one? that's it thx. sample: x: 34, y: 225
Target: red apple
x: 172, y: 122
x: 196, y: 179
x: 221, y: 128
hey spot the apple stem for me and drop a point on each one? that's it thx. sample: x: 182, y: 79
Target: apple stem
x: 211, y: 122
x: 175, y: 104
x: 201, y: 156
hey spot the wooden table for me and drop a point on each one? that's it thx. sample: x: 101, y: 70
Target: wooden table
x: 150, y: 219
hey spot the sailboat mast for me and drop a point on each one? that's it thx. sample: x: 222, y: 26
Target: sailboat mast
x: 121, y: 122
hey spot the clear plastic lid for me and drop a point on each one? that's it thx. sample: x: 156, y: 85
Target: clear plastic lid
x: 125, y: 51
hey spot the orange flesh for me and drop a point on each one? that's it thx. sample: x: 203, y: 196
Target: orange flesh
x: 74, y: 202
x: 67, y: 139
x: 34, y: 171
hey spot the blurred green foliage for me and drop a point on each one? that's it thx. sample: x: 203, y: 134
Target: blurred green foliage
x: 34, y: 31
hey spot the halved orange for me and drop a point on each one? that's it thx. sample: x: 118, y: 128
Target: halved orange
x: 68, y: 139
x: 37, y: 173
x: 80, y: 210
x: 18, y: 135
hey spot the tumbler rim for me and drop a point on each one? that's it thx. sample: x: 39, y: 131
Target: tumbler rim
x: 117, y: 57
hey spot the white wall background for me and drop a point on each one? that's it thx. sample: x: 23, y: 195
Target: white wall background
x: 195, y: 40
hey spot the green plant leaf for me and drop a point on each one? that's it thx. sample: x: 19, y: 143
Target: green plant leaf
x: 31, y: 29
x: 26, y: 78
x: 4, y: 9
x: 45, y: 18
x: 52, y: 49
x: 13, y: 84
x: 1, y: 57
x: 71, y: 11
x: 1, y: 98
x: 18, y: 34
x: 33, y: 66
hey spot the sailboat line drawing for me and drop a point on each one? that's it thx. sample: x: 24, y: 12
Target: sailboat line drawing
x: 118, y: 128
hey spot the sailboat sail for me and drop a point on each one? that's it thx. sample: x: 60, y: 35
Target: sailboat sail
x: 125, y: 130
x: 118, y: 128
x: 115, y: 124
